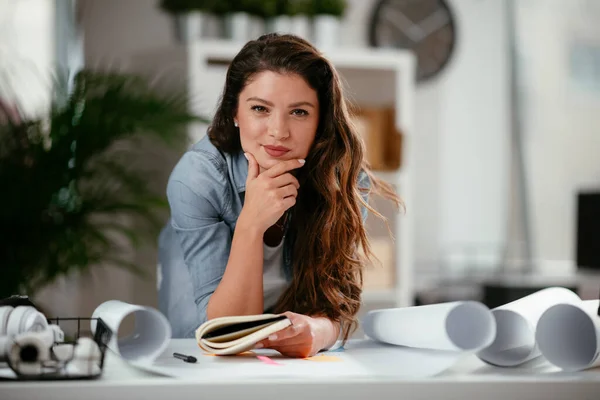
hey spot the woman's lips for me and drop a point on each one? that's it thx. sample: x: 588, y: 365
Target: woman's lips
x: 276, y: 151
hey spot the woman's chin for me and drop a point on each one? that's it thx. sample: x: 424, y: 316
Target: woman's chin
x: 267, y: 163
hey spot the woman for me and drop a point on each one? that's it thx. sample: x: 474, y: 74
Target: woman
x: 267, y: 210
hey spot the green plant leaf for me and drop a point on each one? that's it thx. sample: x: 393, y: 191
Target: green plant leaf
x: 76, y: 195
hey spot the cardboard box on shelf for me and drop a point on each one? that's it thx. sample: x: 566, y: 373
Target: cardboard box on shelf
x: 383, y: 142
x: 380, y: 275
x: 393, y: 139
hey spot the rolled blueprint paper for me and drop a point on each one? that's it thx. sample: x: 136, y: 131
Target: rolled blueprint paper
x: 516, y: 323
x: 456, y: 326
x: 151, y: 334
x: 568, y: 335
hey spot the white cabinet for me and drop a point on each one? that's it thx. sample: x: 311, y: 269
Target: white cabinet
x: 372, y: 77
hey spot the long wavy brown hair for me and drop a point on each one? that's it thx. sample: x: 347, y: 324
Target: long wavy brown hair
x: 326, y: 230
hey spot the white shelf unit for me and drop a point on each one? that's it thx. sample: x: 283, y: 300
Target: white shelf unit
x: 372, y: 77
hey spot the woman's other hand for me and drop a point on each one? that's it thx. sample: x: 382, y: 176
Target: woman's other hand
x: 268, y: 194
x: 305, y: 337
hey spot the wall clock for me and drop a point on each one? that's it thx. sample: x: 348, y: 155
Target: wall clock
x: 425, y: 26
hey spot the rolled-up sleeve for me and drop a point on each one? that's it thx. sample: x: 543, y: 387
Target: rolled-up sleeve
x: 197, y: 195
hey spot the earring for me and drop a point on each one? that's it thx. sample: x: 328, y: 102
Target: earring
x: 235, y: 124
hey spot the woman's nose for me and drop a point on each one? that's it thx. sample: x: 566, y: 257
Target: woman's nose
x: 277, y: 127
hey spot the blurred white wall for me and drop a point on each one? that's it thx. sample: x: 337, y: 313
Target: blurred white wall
x: 561, y: 98
x: 465, y: 116
x: 27, y: 53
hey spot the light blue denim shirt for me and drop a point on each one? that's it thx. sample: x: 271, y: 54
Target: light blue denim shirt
x: 206, y: 194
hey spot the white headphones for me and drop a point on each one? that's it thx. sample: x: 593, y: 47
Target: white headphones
x: 27, y: 342
x: 21, y: 319
x: 17, y: 320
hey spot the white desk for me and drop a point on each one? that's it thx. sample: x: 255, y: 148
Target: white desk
x: 470, y: 378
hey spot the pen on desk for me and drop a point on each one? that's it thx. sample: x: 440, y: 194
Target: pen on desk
x: 189, y: 359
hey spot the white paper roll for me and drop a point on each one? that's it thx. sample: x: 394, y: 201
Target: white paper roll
x: 151, y: 334
x: 516, y: 322
x: 456, y: 326
x: 568, y: 335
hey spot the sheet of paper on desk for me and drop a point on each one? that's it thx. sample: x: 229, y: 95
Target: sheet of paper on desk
x: 246, y: 366
x: 361, y: 358
x: 7, y: 373
x: 227, y: 368
x: 398, y: 361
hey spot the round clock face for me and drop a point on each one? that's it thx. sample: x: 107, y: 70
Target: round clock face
x: 424, y: 26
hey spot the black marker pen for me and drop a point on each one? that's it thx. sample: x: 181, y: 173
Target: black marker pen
x: 185, y: 358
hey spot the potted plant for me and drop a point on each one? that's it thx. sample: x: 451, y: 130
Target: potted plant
x: 327, y: 16
x: 245, y: 20
x: 300, y: 12
x: 193, y: 19
x: 277, y: 16
x: 79, y: 192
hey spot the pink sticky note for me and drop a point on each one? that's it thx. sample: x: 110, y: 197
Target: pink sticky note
x: 268, y: 360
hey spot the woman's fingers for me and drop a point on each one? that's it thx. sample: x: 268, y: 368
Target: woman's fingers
x: 287, y: 191
x: 288, y: 203
x: 297, y: 340
x: 285, y: 334
x: 284, y: 180
x: 283, y: 167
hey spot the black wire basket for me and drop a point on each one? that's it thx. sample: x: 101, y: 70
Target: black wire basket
x: 69, y: 359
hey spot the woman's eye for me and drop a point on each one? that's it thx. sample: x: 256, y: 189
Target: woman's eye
x: 258, y: 108
x: 299, y: 112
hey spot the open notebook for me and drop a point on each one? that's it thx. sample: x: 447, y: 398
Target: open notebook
x: 236, y: 334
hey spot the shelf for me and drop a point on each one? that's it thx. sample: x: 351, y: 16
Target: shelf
x: 392, y: 177
x: 221, y: 52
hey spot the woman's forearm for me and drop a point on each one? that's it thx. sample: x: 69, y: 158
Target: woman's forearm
x: 240, y: 291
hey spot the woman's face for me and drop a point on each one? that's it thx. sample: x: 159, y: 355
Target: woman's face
x: 277, y: 115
